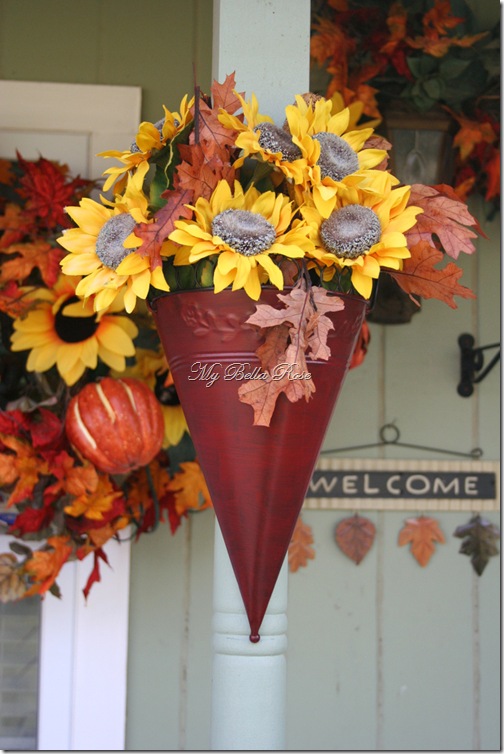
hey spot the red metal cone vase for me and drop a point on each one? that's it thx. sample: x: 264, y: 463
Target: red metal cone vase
x: 257, y: 476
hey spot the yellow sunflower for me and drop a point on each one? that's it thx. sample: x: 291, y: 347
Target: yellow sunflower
x: 365, y: 231
x: 101, y: 248
x: 151, y: 137
x: 152, y: 368
x: 259, y: 137
x: 65, y: 331
x: 334, y: 156
x: 245, y: 230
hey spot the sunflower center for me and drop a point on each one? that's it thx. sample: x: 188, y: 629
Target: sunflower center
x: 74, y: 329
x: 109, y: 244
x: 245, y: 232
x: 350, y: 231
x: 337, y: 159
x: 275, y: 139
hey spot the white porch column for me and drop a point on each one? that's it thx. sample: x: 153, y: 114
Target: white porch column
x: 266, y: 44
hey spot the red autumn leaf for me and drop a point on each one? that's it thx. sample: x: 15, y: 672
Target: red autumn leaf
x: 421, y: 533
x: 155, y: 234
x: 361, y: 347
x: 284, y: 358
x: 46, y: 429
x: 47, y: 191
x: 32, y: 520
x: 493, y: 171
x: 444, y: 216
x: 354, y: 536
x: 95, y: 575
x: 420, y: 277
x: 300, y: 547
x: 28, y: 256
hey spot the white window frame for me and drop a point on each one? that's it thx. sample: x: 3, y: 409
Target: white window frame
x: 84, y: 646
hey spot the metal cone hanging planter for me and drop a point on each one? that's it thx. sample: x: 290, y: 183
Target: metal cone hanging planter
x: 257, y: 475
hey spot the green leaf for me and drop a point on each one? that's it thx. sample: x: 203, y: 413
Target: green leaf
x: 450, y: 68
x: 434, y: 88
x: 425, y: 65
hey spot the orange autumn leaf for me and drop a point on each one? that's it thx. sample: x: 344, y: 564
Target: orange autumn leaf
x: 101, y: 536
x: 28, y: 256
x: 44, y: 565
x: 13, y: 300
x: 24, y: 468
x: 354, y: 536
x: 13, y: 223
x: 421, y: 533
x: 190, y: 488
x: 300, y: 547
x: 472, y: 133
x: 419, y: 276
x: 95, y: 504
x: 439, y: 18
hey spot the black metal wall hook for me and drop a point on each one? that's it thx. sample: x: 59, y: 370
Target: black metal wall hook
x: 471, y: 362
x: 389, y: 435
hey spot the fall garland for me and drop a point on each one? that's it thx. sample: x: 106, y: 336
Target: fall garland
x: 57, y: 504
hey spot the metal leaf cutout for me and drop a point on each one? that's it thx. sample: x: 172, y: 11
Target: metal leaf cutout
x: 300, y: 548
x: 478, y: 541
x: 421, y: 533
x: 354, y: 536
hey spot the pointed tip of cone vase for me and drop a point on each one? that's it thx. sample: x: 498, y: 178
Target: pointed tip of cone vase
x: 257, y: 476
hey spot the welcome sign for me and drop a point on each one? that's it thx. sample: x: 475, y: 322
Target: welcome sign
x: 346, y: 484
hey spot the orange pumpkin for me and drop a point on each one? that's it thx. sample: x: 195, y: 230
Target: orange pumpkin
x: 118, y: 424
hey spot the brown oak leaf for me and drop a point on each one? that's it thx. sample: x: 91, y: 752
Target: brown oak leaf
x: 12, y: 586
x: 201, y: 174
x: 479, y: 541
x: 354, y: 536
x: 421, y: 533
x: 224, y: 95
x: 300, y: 331
x: 445, y: 216
x: 420, y: 277
x: 300, y: 547
x: 155, y: 234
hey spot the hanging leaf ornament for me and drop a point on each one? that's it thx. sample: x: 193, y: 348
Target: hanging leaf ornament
x: 479, y: 541
x: 354, y: 536
x: 300, y: 548
x: 421, y: 533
